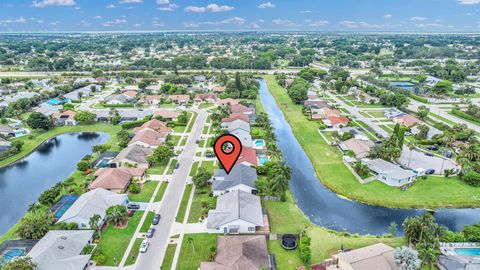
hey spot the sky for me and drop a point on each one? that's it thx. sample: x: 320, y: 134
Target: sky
x: 198, y: 15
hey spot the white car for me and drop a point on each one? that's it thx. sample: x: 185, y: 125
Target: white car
x: 144, y: 246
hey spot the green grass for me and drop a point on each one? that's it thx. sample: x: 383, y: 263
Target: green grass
x: 174, y: 139
x: 441, y: 118
x: 161, y: 192
x: 184, y: 203
x: 147, y: 222
x: 193, y: 170
x: 39, y: 137
x: 192, y: 122
x: 157, y: 169
x: 286, y: 217
x: 257, y: 132
x: 196, y: 208
x: 435, y: 192
x: 205, y: 105
x: 286, y: 259
x: 179, y: 129
x: 145, y: 194
x: 134, y: 252
x: 207, y: 165
x: 115, y: 241
x: 258, y: 105
x: 193, y: 256
x: 172, y: 166
x: 376, y: 114
x: 168, y: 259
x: 205, y: 130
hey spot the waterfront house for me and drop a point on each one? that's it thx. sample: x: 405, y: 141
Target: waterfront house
x: 65, y: 118
x: 4, y: 145
x: 233, y: 117
x: 239, y: 108
x: 248, y: 157
x: 133, y: 156
x: 241, y: 177
x: 389, y: 173
x: 244, y: 137
x: 375, y: 257
x: 238, y: 125
x: 116, y: 179
x: 355, y: 131
x: 323, y: 113
x: 246, y: 252
x: 7, y: 131
x: 96, y: 201
x: 62, y: 250
x: 237, y: 212
x: 148, y: 138
x: 361, y: 148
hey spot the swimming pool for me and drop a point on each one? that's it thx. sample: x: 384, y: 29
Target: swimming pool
x: 262, y: 159
x: 62, y: 205
x: 9, y: 255
x: 259, y: 144
x: 467, y: 251
x: 103, y: 163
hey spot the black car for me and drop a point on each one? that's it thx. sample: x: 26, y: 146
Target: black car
x: 150, y: 233
x: 133, y: 206
x: 429, y: 154
x: 210, y: 155
x: 156, y: 219
x: 432, y: 148
x: 177, y: 165
x: 430, y: 171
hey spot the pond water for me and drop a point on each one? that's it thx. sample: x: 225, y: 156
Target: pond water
x: 52, y: 162
x: 323, y: 207
x: 404, y: 85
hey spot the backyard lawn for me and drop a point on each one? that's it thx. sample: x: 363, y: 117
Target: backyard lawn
x: 435, y: 192
x: 114, y: 241
x: 196, y: 251
x: 145, y: 194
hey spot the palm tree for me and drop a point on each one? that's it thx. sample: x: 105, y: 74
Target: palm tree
x: 427, y: 254
x: 190, y: 241
x: 411, y: 146
x: 471, y: 152
x: 95, y: 224
x: 117, y: 215
x: 281, y: 178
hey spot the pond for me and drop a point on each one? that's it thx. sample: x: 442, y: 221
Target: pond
x: 404, y: 85
x: 323, y: 207
x: 22, y: 183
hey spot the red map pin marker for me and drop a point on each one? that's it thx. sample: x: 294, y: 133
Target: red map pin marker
x: 227, y: 149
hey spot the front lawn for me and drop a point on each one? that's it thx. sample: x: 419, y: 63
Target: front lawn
x: 157, y: 169
x: 146, y: 193
x: 434, y: 192
x: 132, y: 257
x: 115, y: 241
x: 192, y: 254
x: 196, y: 210
x: 207, y: 165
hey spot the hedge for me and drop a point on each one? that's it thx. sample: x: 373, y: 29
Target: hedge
x: 465, y: 115
x: 418, y: 98
x: 134, y: 124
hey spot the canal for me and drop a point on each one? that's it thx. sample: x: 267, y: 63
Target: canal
x: 22, y: 183
x: 323, y: 207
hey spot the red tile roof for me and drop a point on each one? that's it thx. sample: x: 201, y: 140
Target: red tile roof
x: 239, y: 108
x: 236, y: 116
x: 248, y: 155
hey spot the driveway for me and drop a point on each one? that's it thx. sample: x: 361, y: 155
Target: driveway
x: 420, y: 160
x: 152, y: 260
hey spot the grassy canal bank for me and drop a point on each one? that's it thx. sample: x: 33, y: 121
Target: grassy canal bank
x: 433, y: 192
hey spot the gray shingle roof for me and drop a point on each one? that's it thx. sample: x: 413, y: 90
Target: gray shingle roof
x: 61, y: 250
x: 240, y: 174
x: 236, y: 205
x: 135, y: 153
x: 387, y: 168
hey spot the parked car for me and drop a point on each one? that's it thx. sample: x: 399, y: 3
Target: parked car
x: 177, y: 165
x: 156, y: 219
x: 210, y: 155
x: 133, y: 206
x: 150, y: 233
x: 430, y: 171
x: 428, y: 154
x: 197, y: 141
x: 432, y: 148
x: 144, y: 246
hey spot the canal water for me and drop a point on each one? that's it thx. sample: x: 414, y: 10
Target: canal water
x: 323, y: 207
x: 22, y: 183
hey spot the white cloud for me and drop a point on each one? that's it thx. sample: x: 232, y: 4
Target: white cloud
x: 115, y: 22
x: 13, y: 21
x: 217, y: 8
x: 417, y: 18
x: 190, y: 25
x: 54, y: 23
x: 387, y: 16
x: 131, y: 1
x: 469, y: 2
x: 305, y: 11
x: 431, y: 25
x: 98, y: 17
x: 355, y: 24
x: 85, y: 23
x: 286, y: 23
x: 210, y: 7
x: 163, y: 2
x: 195, y: 9
x: 318, y: 23
x: 45, y: 3
x: 110, y: 6
x: 266, y: 5
x: 231, y: 21
x: 255, y: 26
x: 169, y: 7
x: 137, y: 25
x: 234, y: 20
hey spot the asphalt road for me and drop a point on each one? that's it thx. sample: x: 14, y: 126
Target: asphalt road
x: 171, y: 201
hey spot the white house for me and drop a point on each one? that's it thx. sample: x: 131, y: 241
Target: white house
x: 237, y: 212
x: 241, y: 177
x: 96, y: 201
x: 389, y: 173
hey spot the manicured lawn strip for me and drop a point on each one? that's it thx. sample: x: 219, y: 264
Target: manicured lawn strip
x: 168, y: 259
x: 184, y: 203
x: 39, y: 137
x: 464, y: 116
x: 194, y: 253
x: 183, y: 142
x: 205, y: 130
x: 434, y: 192
x: 193, y: 170
x: 134, y: 252
x: 157, y: 169
x: 196, y: 209
x: 205, y: 105
x: 192, y: 122
x: 376, y: 114
x: 286, y: 217
x: 145, y: 194
x: 148, y: 222
x: 441, y: 118
x: 172, y: 166
x: 258, y: 105
x: 207, y: 165
x: 115, y: 241
x: 179, y: 129
x: 161, y: 192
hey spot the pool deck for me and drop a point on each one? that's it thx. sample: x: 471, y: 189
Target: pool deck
x: 449, y: 248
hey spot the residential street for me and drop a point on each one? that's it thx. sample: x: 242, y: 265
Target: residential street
x: 171, y: 201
